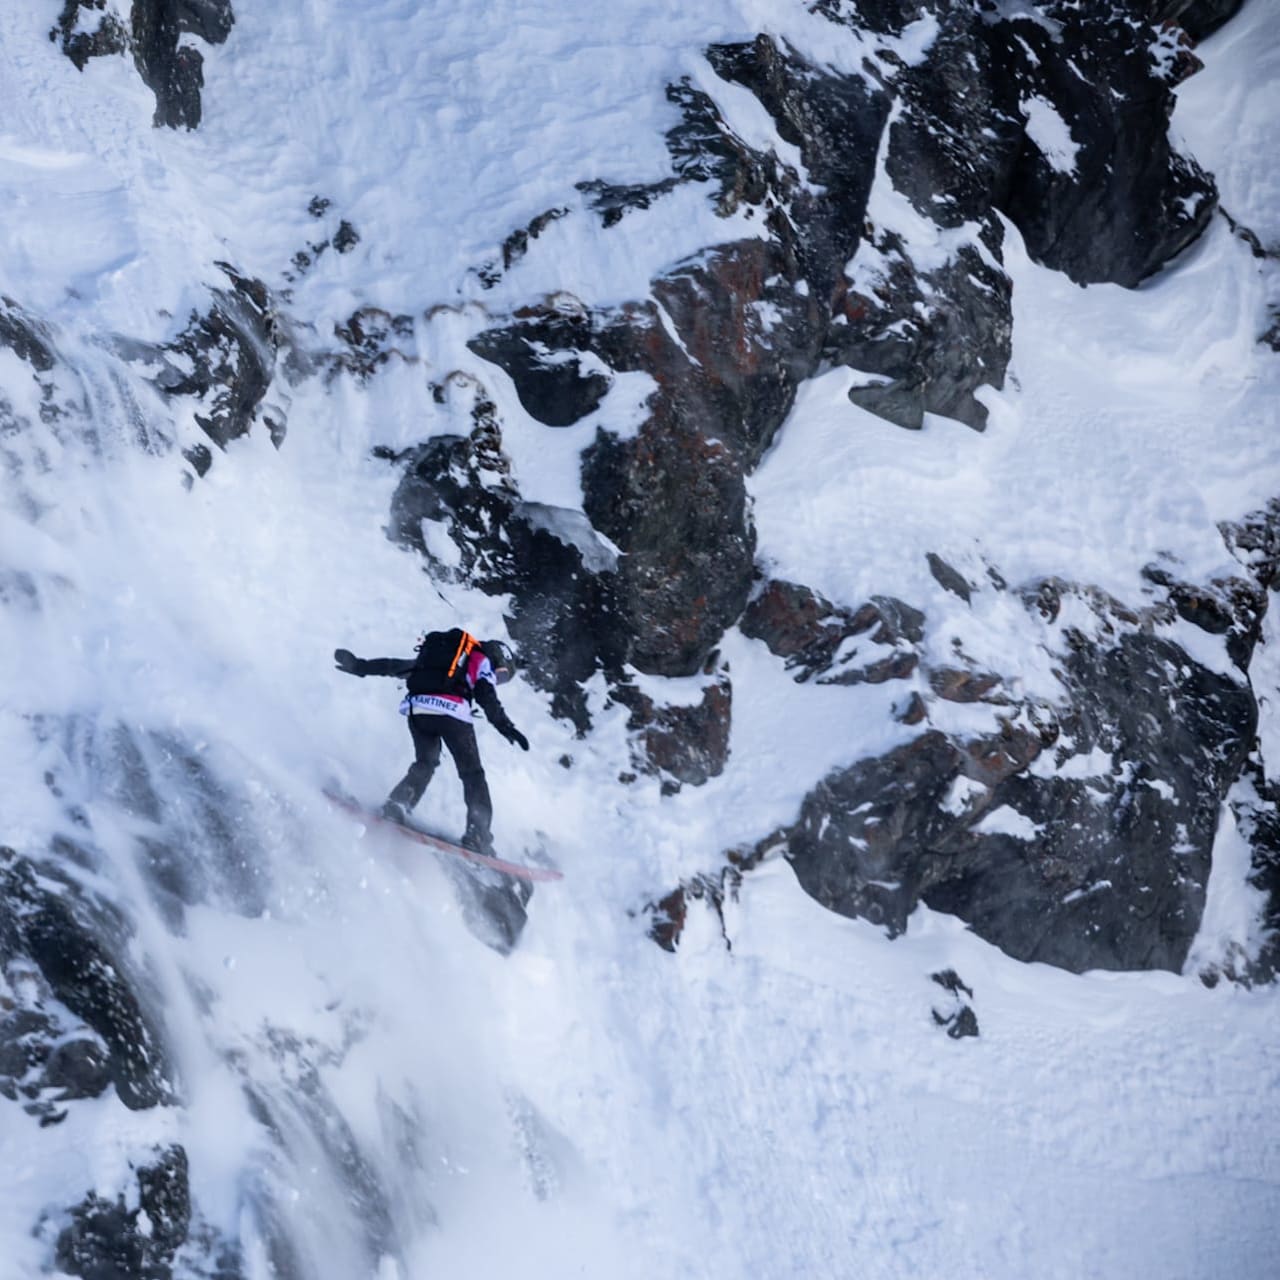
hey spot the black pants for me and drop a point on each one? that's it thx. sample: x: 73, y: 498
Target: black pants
x: 428, y: 733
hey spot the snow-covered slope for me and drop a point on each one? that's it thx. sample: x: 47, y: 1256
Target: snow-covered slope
x: 283, y: 1053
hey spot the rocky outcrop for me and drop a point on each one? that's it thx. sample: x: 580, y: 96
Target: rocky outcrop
x: 957, y: 1016
x: 48, y: 1057
x: 25, y: 336
x: 1094, y: 184
x: 371, y: 338
x: 73, y: 948
x: 1079, y: 831
x: 838, y: 274
x: 225, y: 359
x: 458, y: 506
x: 153, y: 33
x: 1198, y: 18
x: 109, y: 1239
x: 682, y: 742
x: 821, y: 641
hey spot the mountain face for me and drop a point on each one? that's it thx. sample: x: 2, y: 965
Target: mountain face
x: 863, y: 433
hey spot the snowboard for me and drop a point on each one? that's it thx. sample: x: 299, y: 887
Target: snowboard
x: 492, y: 894
x: 413, y: 831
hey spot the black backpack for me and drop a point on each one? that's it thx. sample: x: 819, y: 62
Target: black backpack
x: 441, y: 664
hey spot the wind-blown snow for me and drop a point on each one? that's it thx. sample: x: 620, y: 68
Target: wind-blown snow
x: 782, y: 1106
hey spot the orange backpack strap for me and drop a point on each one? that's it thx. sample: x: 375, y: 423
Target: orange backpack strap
x: 465, y: 645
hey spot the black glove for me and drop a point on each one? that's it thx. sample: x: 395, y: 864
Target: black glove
x: 348, y: 662
x: 512, y: 734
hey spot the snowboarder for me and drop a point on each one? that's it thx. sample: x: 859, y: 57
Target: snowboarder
x: 449, y: 671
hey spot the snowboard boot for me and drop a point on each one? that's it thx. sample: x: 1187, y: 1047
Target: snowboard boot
x: 477, y: 842
x: 394, y: 812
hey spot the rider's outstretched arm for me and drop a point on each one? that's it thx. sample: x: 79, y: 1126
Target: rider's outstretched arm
x: 347, y: 661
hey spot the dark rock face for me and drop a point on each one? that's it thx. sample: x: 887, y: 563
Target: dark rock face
x: 1113, y: 201
x: 457, y: 494
x: 739, y: 328
x: 1256, y: 807
x: 1123, y: 857
x: 687, y: 569
x: 61, y: 938
x: 681, y: 743
x: 819, y: 640
x: 1200, y: 18
x: 174, y: 72
x: 228, y: 358
x: 1078, y: 833
x: 932, y: 338
x: 728, y: 336
x: 958, y: 1017
x: 106, y: 1240
x: 545, y: 358
x: 24, y: 336
x: 933, y: 334
x: 372, y: 338
x: 47, y: 1057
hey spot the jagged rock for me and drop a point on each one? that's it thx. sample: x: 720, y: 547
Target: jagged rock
x: 458, y: 506
x: 1109, y: 871
x: 687, y: 568
x: 819, y: 639
x: 516, y: 245
x: 228, y: 359
x: 372, y: 337
x: 1103, y: 866
x: 673, y: 498
x: 1200, y: 18
x: 958, y: 685
x: 346, y: 237
x: 47, y: 1057
x: 1256, y: 807
x: 742, y: 325
x: 959, y: 1019
x: 669, y: 915
x: 64, y: 938
x: 931, y: 338
x: 1255, y: 542
x: 935, y: 333
x: 1229, y: 607
x: 747, y: 329
x: 547, y: 356
x: 106, y: 1240
x: 682, y: 743
x: 862, y: 831
x: 25, y: 336
x: 948, y: 578
x: 173, y: 71
x: 836, y: 122
x: 455, y: 500
x: 703, y: 149
x: 1095, y: 186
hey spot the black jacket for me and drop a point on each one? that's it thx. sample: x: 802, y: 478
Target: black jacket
x: 427, y: 678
